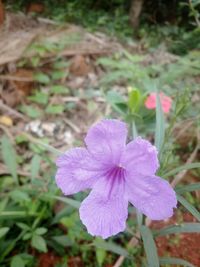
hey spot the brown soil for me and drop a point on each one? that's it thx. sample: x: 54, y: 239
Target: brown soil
x: 185, y: 246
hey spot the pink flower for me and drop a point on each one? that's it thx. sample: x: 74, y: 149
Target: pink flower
x: 166, y: 102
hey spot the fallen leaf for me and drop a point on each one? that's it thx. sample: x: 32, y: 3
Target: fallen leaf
x: 35, y: 8
x: 5, y: 120
x: 2, y: 13
x: 79, y: 66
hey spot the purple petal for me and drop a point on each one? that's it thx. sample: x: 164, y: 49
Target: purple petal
x: 152, y: 196
x: 77, y: 171
x: 106, y: 140
x: 104, y: 212
x: 140, y: 156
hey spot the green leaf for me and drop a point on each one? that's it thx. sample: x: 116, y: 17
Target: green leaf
x: 15, y: 214
x: 35, y: 166
x: 17, y: 261
x: 175, y: 261
x: 62, y: 240
x: 42, y: 78
x: 100, y: 256
x: 187, y: 188
x: 160, y: 127
x: 30, y: 111
x: 116, y: 101
x: 74, y: 203
x: 27, y: 236
x: 55, y: 109
x: 149, y: 246
x: 3, y: 231
x: 40, y: 231
x: 40, y: 98
x: 176, y: 229
x: 109, y: 246
x: 59, y: 74
x: 182, y: 168
x: 39, y: 243
x: 18, y: 196
x: 134, y: 100
x: 59, y: 89
x: 9, y: 157
x: 189, y: 207
x: 23, y: 226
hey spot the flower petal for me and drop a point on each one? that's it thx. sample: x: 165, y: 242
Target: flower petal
x: 76, y: 171
x: 103, y: 213
x: 140, y: 156
x: 152, y: 196
x: 106, y: 140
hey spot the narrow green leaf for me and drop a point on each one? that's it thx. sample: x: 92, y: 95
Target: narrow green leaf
x: 160, y: 127
x: 187, y: 188
x: 134, y: 100
x: 109, y: 246
x: 182, y: 228
x: 15, y: 214
x: 3, y: 231
x: 63, y: 240
x: 182, y: 168
x: 74, y: 203
x: 100, y: 256
x: 35, y: 166
x: 9, y: 157
x: 189, y: 207
x: 39, y: 243
x: 175, y: 261
x: 150, y: 247
x: 18, y: 195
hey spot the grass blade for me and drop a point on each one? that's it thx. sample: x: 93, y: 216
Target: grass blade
x: 175, y: 261
x: 150, y: 247
x: 9, y: 157
x: 188, y: 188
x: 189, y: 207
x: 74, y: 203
x: 160, y: 127
x: 182, y: 168
x: 176, y: 229
x: 109, y: 246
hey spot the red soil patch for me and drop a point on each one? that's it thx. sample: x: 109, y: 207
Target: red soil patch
x: 184, y: 246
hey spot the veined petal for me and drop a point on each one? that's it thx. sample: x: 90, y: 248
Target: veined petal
x: 140, y: 156
x: 104, y: 212
x: 69, y: 185
x: 77, y: 171
x: 152, y: 196
x: 106, y: 140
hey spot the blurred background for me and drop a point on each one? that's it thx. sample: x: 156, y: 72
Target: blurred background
x: 65, y: 65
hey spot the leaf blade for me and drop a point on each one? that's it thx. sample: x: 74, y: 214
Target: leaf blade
x: 189, y: 207
x: 160, y: 127
x: 9, y: 157
x: 175, y: 261
x: 150, y: 247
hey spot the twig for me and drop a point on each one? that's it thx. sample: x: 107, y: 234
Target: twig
x: 12, y: 111
x: 16, y: 78
x: 72, y: 125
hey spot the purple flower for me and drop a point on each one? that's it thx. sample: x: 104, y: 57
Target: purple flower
x: 117, y: 174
